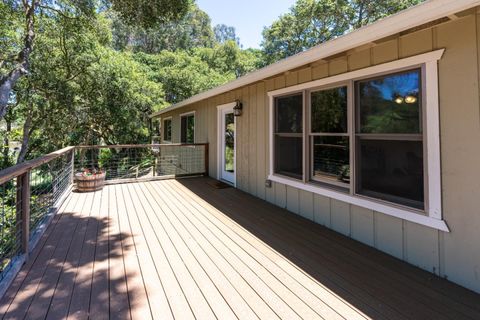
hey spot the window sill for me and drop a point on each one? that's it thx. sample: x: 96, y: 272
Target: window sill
x: 393, y: 211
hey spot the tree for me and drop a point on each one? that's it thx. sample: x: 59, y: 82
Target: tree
x: 193, y: 30
x: 224, y: 33
x: 150, y: 13
x: 311, y: 22
x: 146, y: 12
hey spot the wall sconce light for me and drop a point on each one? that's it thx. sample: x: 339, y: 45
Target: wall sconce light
x: 237, y: 109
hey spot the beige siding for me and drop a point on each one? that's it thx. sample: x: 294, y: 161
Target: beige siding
x: 454, y: 255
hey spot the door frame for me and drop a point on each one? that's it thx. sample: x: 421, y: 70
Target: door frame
x: 220, y: 136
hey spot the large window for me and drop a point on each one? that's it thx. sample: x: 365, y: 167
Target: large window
x: 362, y: 136
x: 389, y: 138
x: 187, y: 130
x: 167, y: 129
x: 289, y: 135
x: 368, y: 137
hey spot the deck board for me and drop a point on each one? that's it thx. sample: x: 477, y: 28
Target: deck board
x: 180, y: 249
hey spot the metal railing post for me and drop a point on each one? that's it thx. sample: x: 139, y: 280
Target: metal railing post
x: 206, y: 160
x: 72, y: 175
x: 23, y: 193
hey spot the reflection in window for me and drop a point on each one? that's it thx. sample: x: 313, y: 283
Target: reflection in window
x: 390, y: 104
x: 289, y: 114
x: 187, y: 129
x: 331, y: 158
x: 229, y: 142
x: 390, y: 142
x: 392, y: 170
x: 329, y: 110
x: 289, y: 135
x: 329, y: 131
x: 167, y: 130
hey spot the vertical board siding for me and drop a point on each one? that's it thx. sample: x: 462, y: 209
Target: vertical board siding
x: 261, y: 137
x: 293, y: 201
x: 362, y: 225
x: 385, y: 52
x: 453, y: 255
x: 322, y: 210
x: 460, y: 133
x: 252, y: 142
x: 389, y: 234
x: 340, y: 217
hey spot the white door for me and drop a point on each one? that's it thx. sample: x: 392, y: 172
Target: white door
x: 226, y: 137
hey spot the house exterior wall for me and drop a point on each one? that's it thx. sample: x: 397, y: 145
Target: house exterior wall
x: 454, y: 255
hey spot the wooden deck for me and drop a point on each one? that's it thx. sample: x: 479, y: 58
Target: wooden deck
x: 183, y: 249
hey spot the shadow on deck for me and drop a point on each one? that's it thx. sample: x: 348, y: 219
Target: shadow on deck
x: 183, y: 249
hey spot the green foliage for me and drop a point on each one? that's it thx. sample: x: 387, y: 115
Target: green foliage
x: 193, y: 30
x: 311, y: 22
x: 224, y: 33
x: 150, y: 13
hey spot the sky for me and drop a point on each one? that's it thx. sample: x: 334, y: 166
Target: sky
x: 247, y: 16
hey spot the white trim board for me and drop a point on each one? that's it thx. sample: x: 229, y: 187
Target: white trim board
x: 425, y: 12
x: 390, y: 210
x: 220, y: 138
x: 432, y: 215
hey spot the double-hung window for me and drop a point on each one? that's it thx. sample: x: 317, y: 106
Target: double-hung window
x: 167, y: 130
x: 389, y: 138
x: 329, y: 136
x: 362, y: 137
x: 187, y: 128
x: 289, y: 135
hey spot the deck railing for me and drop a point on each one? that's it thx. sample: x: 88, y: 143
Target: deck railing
x: 32, y: 192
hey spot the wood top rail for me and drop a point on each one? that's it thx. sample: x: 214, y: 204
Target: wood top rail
x: 19, y: 169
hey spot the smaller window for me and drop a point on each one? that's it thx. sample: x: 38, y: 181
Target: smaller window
x: 329, y: 137
x: 187, y: 128
x: 289, y: 135
x: 167, y: 130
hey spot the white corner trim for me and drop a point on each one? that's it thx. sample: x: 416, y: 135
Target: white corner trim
x: 220, y: 108
x: 390, y: 210
x: 433, y: 195
x: 409, y: 62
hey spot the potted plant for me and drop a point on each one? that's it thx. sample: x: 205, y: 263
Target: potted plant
x: 90, y: 180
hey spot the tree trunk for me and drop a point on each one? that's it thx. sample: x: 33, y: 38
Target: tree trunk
x: 7, y: 82
x: 27, y: 130
x: 6, y: 145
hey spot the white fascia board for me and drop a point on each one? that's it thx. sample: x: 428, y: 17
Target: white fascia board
x: 413, y: 17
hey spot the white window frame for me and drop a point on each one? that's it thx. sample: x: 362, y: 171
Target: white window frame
x: 431, y: 216
x: 220, y: 134
x: 171, y: 129
x: 186, y: 114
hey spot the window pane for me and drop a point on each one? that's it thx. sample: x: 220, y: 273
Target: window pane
x: 229, y: 142
x: 188, y: 129
x: 331, y: 158
x: 288, y: 156
x: 390, y: 104
x: 167, y: 130
x: 289, y: 113
x: 329, y: 110
x: 392, y: 170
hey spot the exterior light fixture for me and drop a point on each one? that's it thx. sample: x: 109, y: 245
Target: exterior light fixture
x: 237, y: 109
x: 410, y: 99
